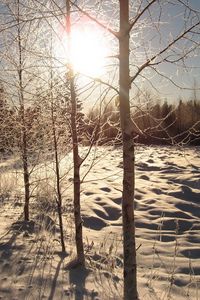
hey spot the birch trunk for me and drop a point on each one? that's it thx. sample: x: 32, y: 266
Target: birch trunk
x: 130, y: 286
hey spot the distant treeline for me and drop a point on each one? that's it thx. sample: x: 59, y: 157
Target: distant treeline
x: 158, y: 123
x: 171, y: 124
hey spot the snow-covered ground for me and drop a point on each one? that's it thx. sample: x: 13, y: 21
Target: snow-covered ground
x: 167, y: 219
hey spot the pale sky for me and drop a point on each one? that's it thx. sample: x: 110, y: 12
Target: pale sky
x: 148, y: 38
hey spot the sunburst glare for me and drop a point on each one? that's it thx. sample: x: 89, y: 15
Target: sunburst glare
x: 87, y: 52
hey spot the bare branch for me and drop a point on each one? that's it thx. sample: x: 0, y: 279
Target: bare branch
x: 150, y: 61
x: 115, y: 33
x: 141, y: 14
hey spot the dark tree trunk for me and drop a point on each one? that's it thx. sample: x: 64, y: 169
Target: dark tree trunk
x: 77, y: 182
x: 76, y: 158
x: 26, y: 179
x: 23, y: 146
x: 58, y: 189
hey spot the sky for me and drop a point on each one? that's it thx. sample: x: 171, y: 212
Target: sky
x: 148, y: 38
x: 156, y: 37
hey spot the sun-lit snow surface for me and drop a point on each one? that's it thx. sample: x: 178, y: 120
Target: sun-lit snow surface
x: 167, y: 218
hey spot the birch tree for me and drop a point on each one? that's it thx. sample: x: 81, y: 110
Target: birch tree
x: 146, y: 44
x: 137, y: 16
x: 19, y: 66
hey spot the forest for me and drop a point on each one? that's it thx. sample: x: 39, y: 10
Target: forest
x: 156, y: 122
x: 99, y: 149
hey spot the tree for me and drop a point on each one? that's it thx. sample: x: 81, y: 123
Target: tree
x: 55, y: 128
x: 76, y: 157
x: 153, y: 58
x: 6, y: 124
x: 23, y: 131
x: 130, y: 282
x: 20, y: 74
x: 142, y: 27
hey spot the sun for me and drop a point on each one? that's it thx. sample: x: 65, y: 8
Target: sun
x: 88, y: 50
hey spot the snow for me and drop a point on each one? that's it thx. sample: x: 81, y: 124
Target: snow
x: 167, y: 219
